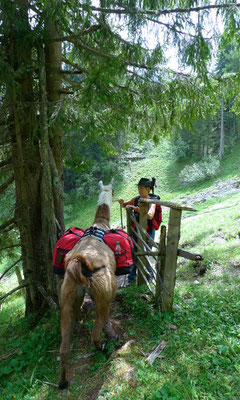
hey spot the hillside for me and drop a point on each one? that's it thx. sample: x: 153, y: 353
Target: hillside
x: 158, y: 163
x: 202, y: 352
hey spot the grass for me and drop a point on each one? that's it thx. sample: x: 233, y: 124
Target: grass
x: 201, y: 360
x: 160, y: 164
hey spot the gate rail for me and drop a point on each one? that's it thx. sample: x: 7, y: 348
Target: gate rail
x: 164, y: 253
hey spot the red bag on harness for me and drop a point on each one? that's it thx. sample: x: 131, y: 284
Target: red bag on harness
x: 125, y: 260
x: 66, y: 242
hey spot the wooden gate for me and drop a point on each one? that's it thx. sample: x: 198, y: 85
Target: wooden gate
x: 164, y: 253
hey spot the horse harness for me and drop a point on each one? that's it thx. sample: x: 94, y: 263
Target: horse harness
x: 94, y: 231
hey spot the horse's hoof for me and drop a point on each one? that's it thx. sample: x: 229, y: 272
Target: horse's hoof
x: 63, y: 385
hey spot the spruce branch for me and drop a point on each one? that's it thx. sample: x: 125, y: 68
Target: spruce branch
x: 78, y: 35
x: 101, y: 54
x: 72, y: 83
x: 74, y: 65
x: 168, y: 26
x: 158, y: 13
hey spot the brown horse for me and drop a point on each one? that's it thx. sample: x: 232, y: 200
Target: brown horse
x: 89, y: 267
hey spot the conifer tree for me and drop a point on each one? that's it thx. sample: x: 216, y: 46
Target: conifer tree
x: 72, y: 62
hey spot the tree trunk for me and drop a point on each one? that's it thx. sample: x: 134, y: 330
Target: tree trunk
x: 53, y: 56
x: 221, y: 144
x: 37, y: 165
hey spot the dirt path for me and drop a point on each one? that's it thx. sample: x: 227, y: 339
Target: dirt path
x: 219, y: 189
x: 83, y: 360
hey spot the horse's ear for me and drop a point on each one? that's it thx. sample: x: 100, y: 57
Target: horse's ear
x: 112, y: 181
x: 101, y: 184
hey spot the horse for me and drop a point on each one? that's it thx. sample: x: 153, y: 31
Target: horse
x: 89, y: 267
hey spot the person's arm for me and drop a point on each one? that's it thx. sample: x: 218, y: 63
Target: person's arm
x: 126, y: 203
x: 151, y: 211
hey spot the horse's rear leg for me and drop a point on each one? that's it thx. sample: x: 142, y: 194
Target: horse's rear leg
x: 66, y: 331
x: 102, y: 312
x: 70, y: 304
x: 71, y: 301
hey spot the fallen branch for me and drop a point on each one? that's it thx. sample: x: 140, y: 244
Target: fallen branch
x: 47, y: 383
x: 8, y: 355
x: 155, y: 353
x: 48, y: 299
x: 85, y: 355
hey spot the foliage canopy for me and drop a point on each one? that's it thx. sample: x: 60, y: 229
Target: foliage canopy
x: 98, y: 71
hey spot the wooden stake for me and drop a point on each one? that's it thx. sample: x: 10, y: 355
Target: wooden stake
x: 169, y: 276
x: 143, y: 222
x: 161, y: 261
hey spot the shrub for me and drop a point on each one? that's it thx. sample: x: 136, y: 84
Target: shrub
x: 207, y: 168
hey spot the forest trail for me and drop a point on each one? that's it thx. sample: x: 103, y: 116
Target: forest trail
x: 218, y: 189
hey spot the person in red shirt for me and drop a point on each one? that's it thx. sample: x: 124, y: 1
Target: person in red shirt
x: 144, y: 187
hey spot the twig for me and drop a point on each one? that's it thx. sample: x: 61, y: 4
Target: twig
x: 10, y: 247
x: 47, y: 383
x: 8, y: 269
x: 85, y: 355
x: 24, y: 284
x: 8, y: 355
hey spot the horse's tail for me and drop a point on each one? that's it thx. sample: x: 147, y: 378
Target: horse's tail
x: 79, y: 268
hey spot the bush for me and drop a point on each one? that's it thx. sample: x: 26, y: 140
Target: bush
x: 179, y: 149
x: 207, y: 168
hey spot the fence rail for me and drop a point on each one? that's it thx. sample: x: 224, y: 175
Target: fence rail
x: 163, y: 270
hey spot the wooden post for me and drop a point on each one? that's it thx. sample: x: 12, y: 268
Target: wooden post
x: 143, y: 222
x: 169, y: 276
x: 129, y: 222
x: 161, y: 261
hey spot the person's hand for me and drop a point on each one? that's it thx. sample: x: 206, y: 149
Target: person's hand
x: 133, y: 207
x: 121, y: 201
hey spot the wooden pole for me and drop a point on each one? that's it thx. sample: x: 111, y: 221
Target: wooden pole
x: 143, y: 222
x: 121, y: 216
x: 129, y: 222
x: 161, y: 261
x: 169, y: 204
x: 169, y: 275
